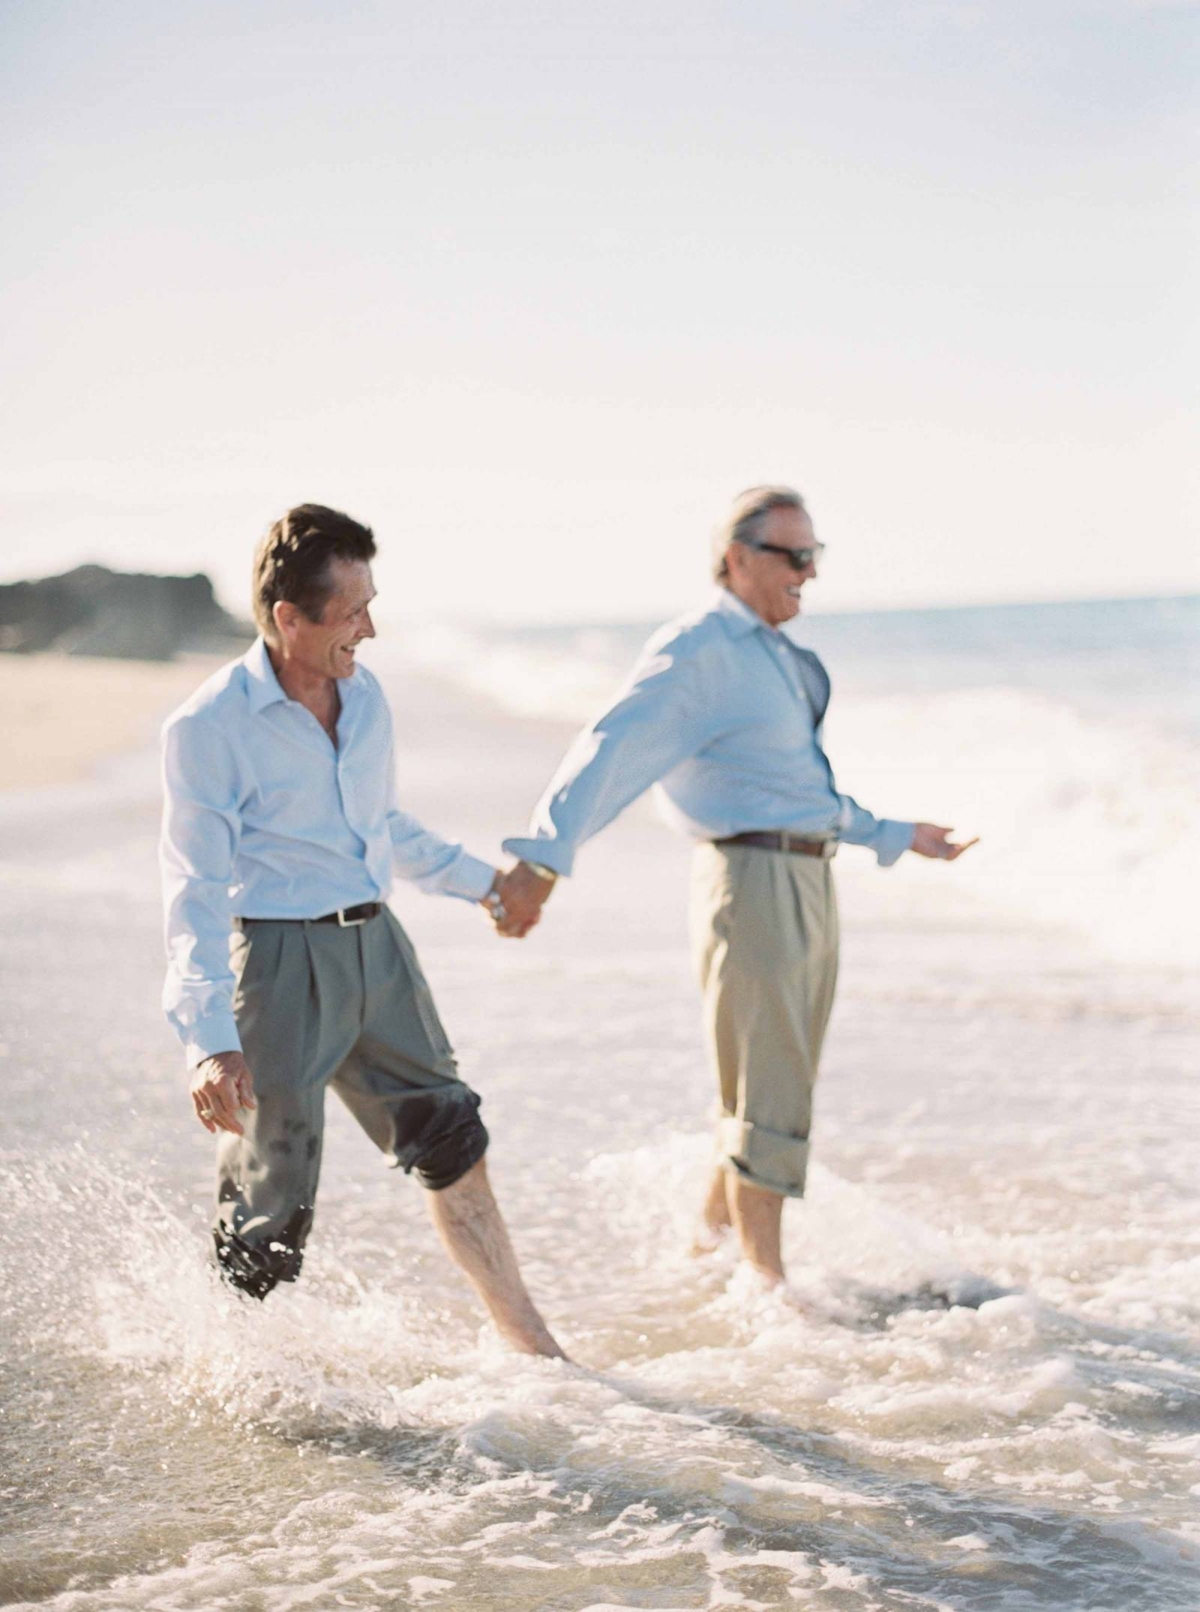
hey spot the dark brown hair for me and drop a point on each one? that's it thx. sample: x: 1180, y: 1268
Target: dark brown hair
x: 292, y: 561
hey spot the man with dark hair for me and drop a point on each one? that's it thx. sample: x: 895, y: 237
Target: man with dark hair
x: 281, y: 826
x: 724, y: 713
x: 292, y: 561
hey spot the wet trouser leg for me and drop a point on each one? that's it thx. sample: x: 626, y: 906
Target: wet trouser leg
x: 320, y: 1005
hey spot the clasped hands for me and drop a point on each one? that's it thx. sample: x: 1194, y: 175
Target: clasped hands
x: 516, y: 899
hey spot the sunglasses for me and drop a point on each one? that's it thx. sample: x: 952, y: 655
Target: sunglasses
x: 798, y: 559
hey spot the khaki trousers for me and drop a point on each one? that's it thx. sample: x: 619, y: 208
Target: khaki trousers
x: 765, y: 944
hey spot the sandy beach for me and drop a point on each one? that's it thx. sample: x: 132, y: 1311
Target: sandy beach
x: 63, y: 715
x: 982, y: 1392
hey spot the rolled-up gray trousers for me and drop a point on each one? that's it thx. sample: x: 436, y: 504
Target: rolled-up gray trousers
x: 318, y: 1005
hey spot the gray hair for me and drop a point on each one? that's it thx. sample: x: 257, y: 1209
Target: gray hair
x: 746, y: 520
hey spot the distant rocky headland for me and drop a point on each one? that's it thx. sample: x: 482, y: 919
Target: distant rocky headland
x: 95, y: 611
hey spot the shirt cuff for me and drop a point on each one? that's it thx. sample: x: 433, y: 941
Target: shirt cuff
x: 891, y: 840
x: 471, y: 878
x: 218, y: 1033
x: 553, y: 854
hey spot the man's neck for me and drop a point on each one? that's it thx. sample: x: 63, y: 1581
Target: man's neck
x: 746, y: 605
x: 316, y: 691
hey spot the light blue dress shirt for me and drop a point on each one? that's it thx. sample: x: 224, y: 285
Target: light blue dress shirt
x: 264, y: 818
x: 723, y: 714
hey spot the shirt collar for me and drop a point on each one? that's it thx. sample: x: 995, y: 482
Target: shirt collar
x: 739, y: 618
x: 263, y: 685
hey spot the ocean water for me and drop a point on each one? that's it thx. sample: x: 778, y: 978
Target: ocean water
x: 982, y: 1390
x: 1137, y: 658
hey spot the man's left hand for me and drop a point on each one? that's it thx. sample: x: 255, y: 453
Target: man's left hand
x: 930, y: 840
x: 522, y: 894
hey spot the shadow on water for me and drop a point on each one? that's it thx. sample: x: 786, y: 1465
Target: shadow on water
x: 875, y: 1308
x: 1036, y: 1556
x: 141, y: 1479
x: 1164, y: 1401
x: 965, y: 1546
x: 114, y: 1470
x: 117, y: 1468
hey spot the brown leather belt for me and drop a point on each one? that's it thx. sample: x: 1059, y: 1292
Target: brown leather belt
x: 779, y: 841
x: 348, y: 917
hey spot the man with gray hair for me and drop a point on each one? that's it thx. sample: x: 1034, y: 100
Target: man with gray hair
x: 723, y: 712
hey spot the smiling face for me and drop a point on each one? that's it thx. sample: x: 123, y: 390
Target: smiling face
x: 767, y: 582
x: 325, y: 648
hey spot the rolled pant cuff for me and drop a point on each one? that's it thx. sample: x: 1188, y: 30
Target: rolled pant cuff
x: 772, y: 1160
x: 450, y: 1159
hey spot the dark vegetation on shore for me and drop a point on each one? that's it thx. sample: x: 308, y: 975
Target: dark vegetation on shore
x: 126, y: 615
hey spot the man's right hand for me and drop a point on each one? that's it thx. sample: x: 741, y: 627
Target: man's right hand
x: 220, y: 1086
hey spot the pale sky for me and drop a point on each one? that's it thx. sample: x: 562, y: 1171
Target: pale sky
x: 534, y: 289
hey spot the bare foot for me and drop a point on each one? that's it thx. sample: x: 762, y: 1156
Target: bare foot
x: 715, y: 1219
x: 707, y: 1238
x: 769, y: 1278
x: 533, y: 1341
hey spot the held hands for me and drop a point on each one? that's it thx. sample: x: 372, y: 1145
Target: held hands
x: 516, y: 899
x: 220, y: 1086
x: 930, y: 840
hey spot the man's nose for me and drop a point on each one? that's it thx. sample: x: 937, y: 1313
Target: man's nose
x: 368, y: 625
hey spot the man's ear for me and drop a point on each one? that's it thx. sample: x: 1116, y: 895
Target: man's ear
x: 283, y: 614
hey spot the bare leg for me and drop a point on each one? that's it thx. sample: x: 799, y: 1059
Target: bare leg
x: 469, y: 1224
x: 715, y: 1218
x: 758, y: 1216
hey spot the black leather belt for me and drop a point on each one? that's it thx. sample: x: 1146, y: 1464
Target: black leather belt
x: 348, y: 917
x: 778, y: 841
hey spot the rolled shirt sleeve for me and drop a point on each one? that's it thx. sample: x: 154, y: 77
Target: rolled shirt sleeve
x: 197, y: 848
x: 657, y: 721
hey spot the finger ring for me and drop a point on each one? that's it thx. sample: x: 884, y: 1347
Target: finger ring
x: 206, y: 1113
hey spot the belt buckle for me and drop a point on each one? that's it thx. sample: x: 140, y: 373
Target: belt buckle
x: 348, y: 923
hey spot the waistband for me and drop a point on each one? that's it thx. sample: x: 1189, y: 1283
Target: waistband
x: 347, y: 917
x: 777, y: 840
